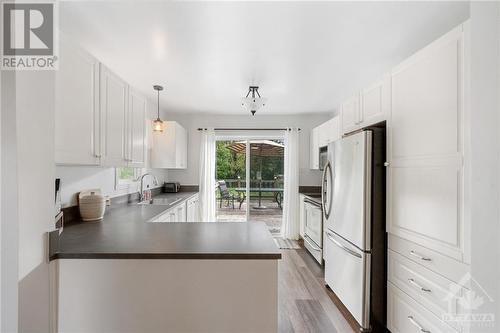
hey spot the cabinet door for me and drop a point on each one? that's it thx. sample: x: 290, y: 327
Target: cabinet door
x: 170, y: 147
x: 192, y: 207
x: 136, y: 130
x: 196, y: 210
x: 77, y: 137
x: 426, y: 147
x: 190, y: 211
x: 332, y: 130
x: 322, y: 135
x: 302, y: 217
x: 375, y: 102
x: 350, y: 114
x: 181, y: 213
x: 314, y: 150
x: 114, y: 104
x: 165, y: 217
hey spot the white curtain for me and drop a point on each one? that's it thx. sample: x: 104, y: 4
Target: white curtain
x: 207, y: 176
x: 290, y: 226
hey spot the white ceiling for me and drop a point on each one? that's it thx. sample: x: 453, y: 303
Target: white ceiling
x: 305, y: 56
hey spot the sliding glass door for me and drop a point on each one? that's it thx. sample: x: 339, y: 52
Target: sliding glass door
x: 231, y: 175
x: 266, y: 182
x: 249, y: 174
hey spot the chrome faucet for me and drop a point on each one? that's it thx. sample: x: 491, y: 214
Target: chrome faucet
x: 141, y: 191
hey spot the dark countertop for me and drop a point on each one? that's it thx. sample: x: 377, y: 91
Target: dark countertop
x: 125, y: 234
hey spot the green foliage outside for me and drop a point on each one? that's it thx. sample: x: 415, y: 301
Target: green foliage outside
x: 125, y: 173
x: 231, y: 166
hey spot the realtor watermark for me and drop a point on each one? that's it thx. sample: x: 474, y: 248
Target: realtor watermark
x: 29, y: 35
x: 465, y: 306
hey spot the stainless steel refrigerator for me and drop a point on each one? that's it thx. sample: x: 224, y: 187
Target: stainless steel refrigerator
x: 355, y: 241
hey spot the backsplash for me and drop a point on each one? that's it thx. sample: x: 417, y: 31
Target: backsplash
x: 77, y: 178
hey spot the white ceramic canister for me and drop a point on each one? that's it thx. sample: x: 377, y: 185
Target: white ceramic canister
x: 92, y: 205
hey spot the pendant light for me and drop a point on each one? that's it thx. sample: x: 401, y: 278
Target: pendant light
x: 253, y: 101
x: 158, y: 123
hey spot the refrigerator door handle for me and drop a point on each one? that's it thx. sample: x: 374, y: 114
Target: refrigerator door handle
x: 417, y: 325
x: 327, y: 206
x: 346, y: 249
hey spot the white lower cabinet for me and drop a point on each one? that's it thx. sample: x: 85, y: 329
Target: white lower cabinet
x: 405, y: 315
x: 186, y: 211
x: 302, y: 216
x: 180, y: 213
x: 436, y: 293
x: 448, y: 267
x: 193, y: 209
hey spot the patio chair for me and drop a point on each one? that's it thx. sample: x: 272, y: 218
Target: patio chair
x: 225, y: 194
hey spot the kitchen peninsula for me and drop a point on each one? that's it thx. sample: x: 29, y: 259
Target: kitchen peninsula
x: 123, y: 273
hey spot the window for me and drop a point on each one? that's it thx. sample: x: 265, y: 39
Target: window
x: 125, y: 177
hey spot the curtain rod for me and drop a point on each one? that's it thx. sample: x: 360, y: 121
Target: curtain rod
x: 247, y: 129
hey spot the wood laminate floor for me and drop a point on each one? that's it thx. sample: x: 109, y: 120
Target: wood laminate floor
x: 305, y: 304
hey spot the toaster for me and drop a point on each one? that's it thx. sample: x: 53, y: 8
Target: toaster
x: 171, y: 187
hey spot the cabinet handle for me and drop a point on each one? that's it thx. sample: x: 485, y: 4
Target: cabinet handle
x: 419, y: 256
x: 412, y: 281
x: 97, y: 155
x: 386, y: 164
x: 417, y: 325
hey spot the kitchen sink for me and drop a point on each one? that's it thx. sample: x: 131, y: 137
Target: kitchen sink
x: 161, y: 201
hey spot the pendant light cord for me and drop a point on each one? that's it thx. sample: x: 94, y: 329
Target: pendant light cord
x: 158, y: 104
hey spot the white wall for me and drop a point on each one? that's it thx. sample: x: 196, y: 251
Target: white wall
x: 77, y: 178
x: 9, y: 217
x: 35, y: 96
x: 192, y: 122
x: 485, y: 149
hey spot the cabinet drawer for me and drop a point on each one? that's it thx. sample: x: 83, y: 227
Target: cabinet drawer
x: 450, y: 268
x: 405, y: 315
x: 436, y: 293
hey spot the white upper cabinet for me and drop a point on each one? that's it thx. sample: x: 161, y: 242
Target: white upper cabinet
x: 77, y: 118
x: 170, y: 147
x: 426, y: 147
x: 136, y: 145
x: 368, y: 107
x: 375, y: 102
x: 114, y: 107
x: 350, y: 114
x: 328, y: 132
x: 99, y: 120
x: 321, y: 136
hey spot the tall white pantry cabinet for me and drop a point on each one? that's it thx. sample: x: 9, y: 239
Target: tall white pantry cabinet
x: 424, y: 101
x: 427, y: 220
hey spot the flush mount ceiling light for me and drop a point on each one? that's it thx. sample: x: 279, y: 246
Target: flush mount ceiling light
x: 253, y: 101
x: 158, y: 123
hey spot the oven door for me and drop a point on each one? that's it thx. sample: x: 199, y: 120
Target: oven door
x: 314, y: 223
